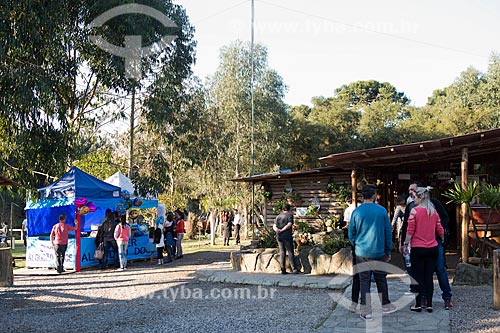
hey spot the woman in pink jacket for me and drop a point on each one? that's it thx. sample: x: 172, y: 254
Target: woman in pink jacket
x: 122, y: 235
x: 423, y: 226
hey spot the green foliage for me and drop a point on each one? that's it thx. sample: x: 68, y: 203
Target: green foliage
x: 267, y: 238
x: 304, y: 227
x: 312, y: 210
x: 333, y: 243
x: 489, y: 195
x: 279, y: 205
x: 293, y: 195
x: 458, y: 195
x: 341, y: 191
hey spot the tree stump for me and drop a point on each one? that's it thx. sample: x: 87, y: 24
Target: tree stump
x: 6, y: 273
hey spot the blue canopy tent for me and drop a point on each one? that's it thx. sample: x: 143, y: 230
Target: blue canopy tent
x: 58, y: 198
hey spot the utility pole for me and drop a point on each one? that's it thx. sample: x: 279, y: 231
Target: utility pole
x: 252, y: 116
x: 132, y: 124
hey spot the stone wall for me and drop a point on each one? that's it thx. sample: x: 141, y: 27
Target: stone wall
x: 309, y: 260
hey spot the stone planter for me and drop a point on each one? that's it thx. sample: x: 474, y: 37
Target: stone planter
x: 309, y: 260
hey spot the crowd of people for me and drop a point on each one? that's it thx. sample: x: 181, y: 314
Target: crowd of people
x: 421, y: 226
x: 166, y: 236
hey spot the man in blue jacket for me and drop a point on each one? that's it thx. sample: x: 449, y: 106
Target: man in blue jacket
x: 370, y: 233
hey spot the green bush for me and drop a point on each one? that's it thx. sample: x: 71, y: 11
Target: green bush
x: 334, y: 243
x: 267, y: 238
x: 304, y: 227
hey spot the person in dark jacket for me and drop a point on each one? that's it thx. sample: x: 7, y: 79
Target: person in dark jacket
x: 108, y: 239
x: 283, y: 228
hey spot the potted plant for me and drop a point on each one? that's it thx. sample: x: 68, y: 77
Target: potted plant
x: 487, y: 194
x: 293, y: 197
x: 268, y: 194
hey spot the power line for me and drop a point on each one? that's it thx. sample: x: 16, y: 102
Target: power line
x: 221, y: 12
x: 373, y: 31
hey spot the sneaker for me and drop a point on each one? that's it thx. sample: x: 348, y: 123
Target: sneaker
x: 366, y: 316
x: 354, y: 307
x: 389, y: 308
x: 448, y: 304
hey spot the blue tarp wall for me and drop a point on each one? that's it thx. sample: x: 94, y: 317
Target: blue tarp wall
x: 58, y: 198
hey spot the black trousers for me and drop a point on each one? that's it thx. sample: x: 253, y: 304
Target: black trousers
x: 286, y: 247
x: 110, y: 244
x: 355, y: 290
x: 237, y: 233
x: 60, y: 250
x: 423, y: 262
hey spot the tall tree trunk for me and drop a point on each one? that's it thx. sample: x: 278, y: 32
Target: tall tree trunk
x: 132, y: 120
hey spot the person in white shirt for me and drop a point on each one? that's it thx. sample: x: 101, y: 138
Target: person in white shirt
x: 25, y: 230
x: 237, y: 225
x: 348, y: 212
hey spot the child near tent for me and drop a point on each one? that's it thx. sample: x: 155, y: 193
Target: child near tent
x: 159, y: 240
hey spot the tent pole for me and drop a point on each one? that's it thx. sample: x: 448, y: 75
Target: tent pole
x: 77, y: 243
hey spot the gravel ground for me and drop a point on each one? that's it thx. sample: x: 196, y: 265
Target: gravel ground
x: 152, y: 298
x: 473, y: 310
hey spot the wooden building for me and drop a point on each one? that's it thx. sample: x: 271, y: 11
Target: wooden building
x: 438, y: 163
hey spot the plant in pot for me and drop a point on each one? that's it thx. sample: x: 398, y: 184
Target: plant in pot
x: 467, y: 196
x: 293, y: 197
x: 489, y: 196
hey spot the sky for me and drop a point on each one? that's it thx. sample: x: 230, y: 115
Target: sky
x: 316, y: 46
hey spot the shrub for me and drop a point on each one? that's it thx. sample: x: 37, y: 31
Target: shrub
x: 333, y: 243
x: 267, y: 238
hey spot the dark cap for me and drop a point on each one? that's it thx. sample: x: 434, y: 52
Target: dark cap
x: 368, y: 190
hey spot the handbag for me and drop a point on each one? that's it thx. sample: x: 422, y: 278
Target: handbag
x: 99, y: 252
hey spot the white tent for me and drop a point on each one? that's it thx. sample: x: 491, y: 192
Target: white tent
x: 122, y: 181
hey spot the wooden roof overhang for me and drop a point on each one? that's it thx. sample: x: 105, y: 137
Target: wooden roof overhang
x: 481, y: 146
x: 285, y: 175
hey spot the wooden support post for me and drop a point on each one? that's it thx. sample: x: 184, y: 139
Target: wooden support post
x: 6, y: 272
x: 496, y: 279
x: 354, y: 187
x: 465, y: 212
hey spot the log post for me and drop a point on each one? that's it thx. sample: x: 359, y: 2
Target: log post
x: 465, y: 211
x: 354, y: 186
x: 6, y: 272
x: 496, y: 279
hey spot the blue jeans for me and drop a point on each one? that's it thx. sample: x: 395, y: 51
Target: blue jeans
x: 365, y: 281
x: 441, y: 273
x: 122, y: 251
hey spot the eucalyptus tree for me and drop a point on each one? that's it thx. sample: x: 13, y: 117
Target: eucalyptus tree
x: 58, y: 87
x: 230, y: 98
